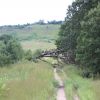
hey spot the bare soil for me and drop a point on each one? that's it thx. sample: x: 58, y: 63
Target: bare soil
x: 60, y: 91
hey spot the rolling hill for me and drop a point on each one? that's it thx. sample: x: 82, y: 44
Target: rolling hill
x: 31, y: 35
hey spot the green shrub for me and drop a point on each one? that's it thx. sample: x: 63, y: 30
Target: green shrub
x: 36, y: 55
x: 10, y: 50
x: 28, y: 55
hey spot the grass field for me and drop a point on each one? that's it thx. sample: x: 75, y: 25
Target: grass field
x: 38, y: 32
x: 33, y: 32
x: 34, y: 36
x: 37, y: 44
x: 86, y: 89
x: 96, y: 88
x: 27, y: 81
x: 39, y: 37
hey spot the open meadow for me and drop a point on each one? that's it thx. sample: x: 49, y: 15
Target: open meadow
x: 37, y: 44
x: 34, y: 36
x: 27, y: 81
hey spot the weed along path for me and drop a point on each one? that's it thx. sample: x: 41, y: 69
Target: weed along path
x: 60, y: 90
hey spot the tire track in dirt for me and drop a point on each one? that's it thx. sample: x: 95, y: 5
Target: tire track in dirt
x: 60, y: 91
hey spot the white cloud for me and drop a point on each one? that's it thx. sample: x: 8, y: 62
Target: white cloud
x: 23, y: 11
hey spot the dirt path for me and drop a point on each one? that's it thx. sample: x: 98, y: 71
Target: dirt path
x: 76, y: 97
x: 60, y: 91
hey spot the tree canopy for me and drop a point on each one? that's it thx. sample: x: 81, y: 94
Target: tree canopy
x: 80, y: 33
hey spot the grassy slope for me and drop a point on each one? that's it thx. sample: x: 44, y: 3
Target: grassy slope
x: 37, y: 44
x: 27, y: 81
x: 40, y: 37
x: 86, y: 89
x: 34, y: 36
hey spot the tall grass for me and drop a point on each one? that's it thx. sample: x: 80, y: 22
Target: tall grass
x: 75, y: 84
x: 96, y: 88
x: 27, y: 81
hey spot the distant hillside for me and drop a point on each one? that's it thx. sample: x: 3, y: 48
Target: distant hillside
x: 33, y: 36
x: 31, y: 31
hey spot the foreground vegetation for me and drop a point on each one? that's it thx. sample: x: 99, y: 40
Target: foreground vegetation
x: 27, y: 81
x: 75, y: 84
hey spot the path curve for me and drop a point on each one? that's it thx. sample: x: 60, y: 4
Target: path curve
x: 60, y: 91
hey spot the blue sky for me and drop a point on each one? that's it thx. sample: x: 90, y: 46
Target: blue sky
x: 28, y: 11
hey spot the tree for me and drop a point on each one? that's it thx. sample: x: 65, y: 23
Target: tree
x: 14, y: 48
x: 88, y: 48
x: 71, y: 28
x: 55, y: 22
x: 10, y: 50
x: 41, y: 22
x: 80, y: 34
x: 4, y: 57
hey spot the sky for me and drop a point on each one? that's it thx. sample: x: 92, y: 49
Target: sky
x: 14, y: 12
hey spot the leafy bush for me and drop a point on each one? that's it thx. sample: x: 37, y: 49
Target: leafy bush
x: 36, y: 54
x: 28, y: 55
x: 10, y: 50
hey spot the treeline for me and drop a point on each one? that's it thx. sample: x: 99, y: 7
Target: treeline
x: 79, y: 35
x: 28, y: 25
x: 15, y: 26
x: 42, y: 22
